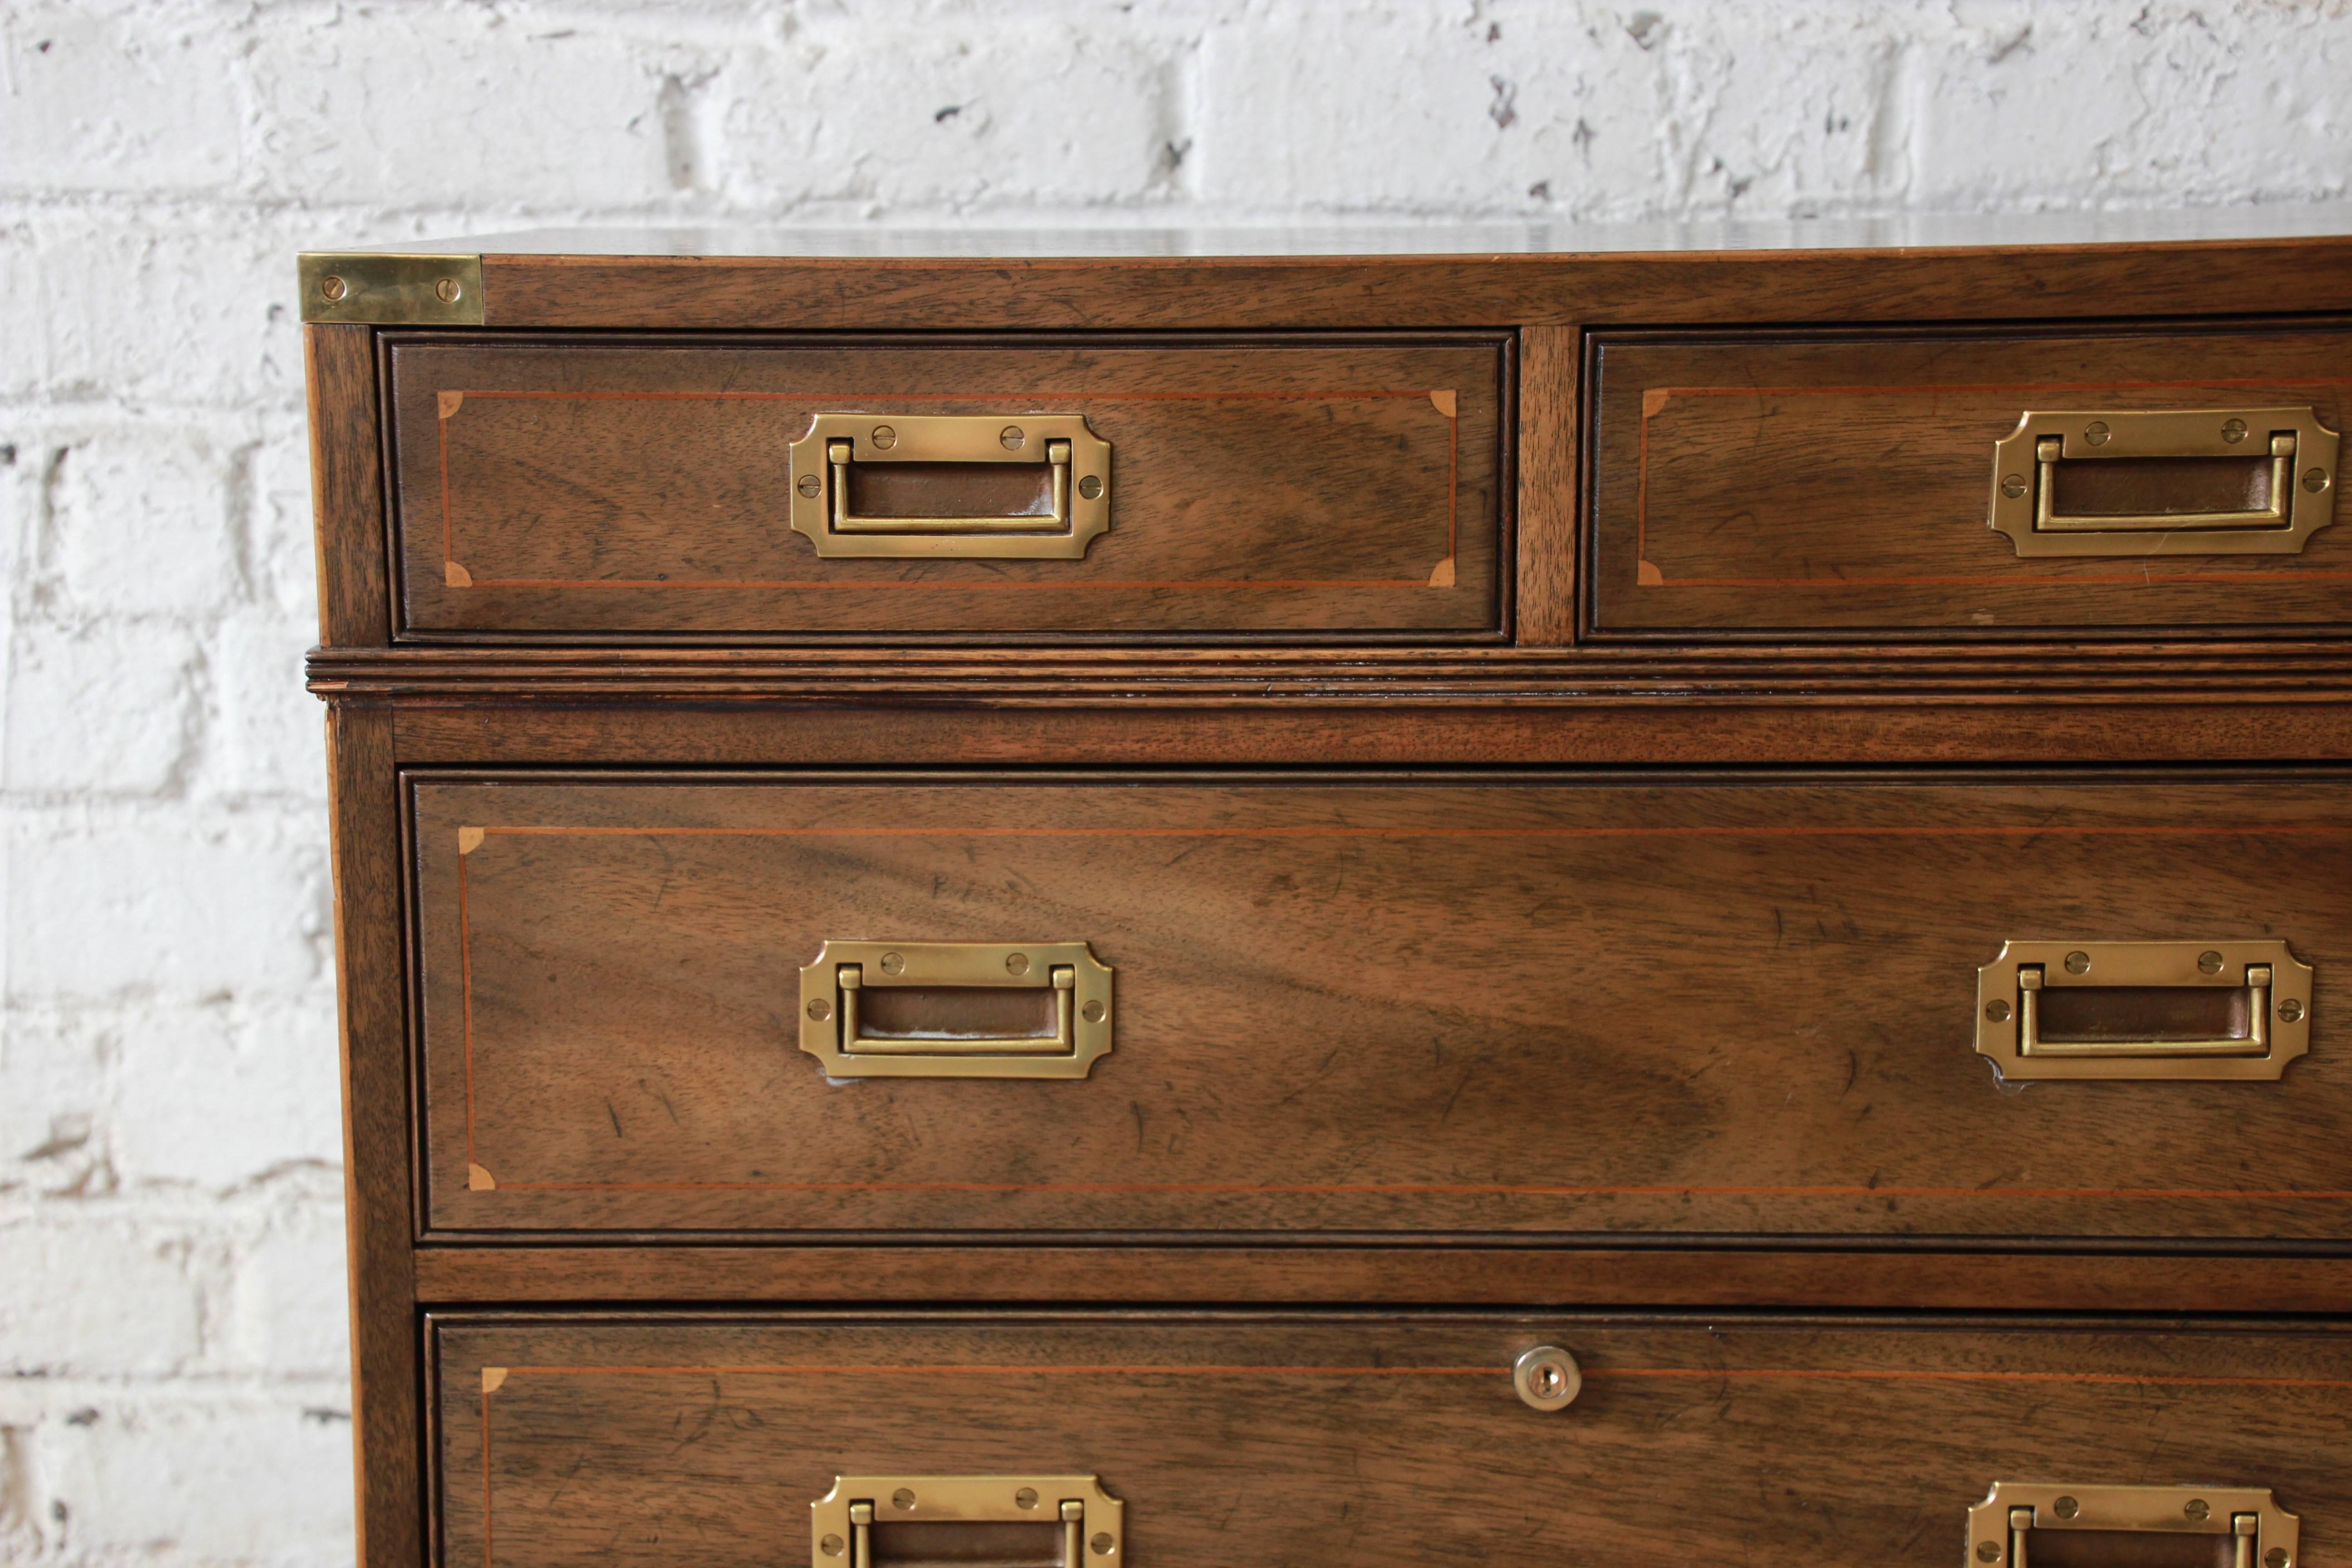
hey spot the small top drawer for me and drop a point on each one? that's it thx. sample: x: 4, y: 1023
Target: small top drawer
x: 1967, y: 481
x: 1158, y: 488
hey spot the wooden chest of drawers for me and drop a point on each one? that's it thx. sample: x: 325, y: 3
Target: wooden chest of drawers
x: 1150, y: 897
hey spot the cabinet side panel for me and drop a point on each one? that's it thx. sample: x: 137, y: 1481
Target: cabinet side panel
x: 385, y: 1382
x: 347, y: 486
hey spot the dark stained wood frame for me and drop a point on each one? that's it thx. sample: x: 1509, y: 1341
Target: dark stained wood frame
x: 1499, y: 634
x: 1544, y: 700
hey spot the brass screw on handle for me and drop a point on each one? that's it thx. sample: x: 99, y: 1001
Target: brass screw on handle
x: 2315, y: 480
x: 894, y: 962
x: 333, y: 287
x: 1092, y: 1012
x: 1996, y: 1011
x: 1988, y: 1551
x: 1012, y: 436
x: 884, y: 438
x: 2096, y: 433
x: 2013, y: 486
x: 902, y: 1499
x: 2274, y: 1558
x: 2066, y: 1507
x: 2208, y: 963
x: 2197, y: 1510
x: 2291, y: 1010
x: 1017, y: 964
x: 810, y: 485
x: 1102, y: 1543
x: 2234, y: 431
x: 830, y: 1546
x: 820, y: 1009
x: 2078, y: 963
x: 447, y: 290
x: 1025, y: 1497
x: 1091, y: 486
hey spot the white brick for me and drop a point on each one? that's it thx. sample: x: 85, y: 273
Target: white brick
x: 114, y: 97
x: 262, y: 1481
x: 283, y: 553
x: 108, y: 708
x: 219, y: 1095
x: 97, y: 1298
x: 52, y: 1115
x: 972, y: 111
x: 141, y: 522
x: 186, y: 902
x: 377, y: 104
x: 270, y: 735
x: 289, y: 1316
x: 163, y: 305
x: 2151, y: 105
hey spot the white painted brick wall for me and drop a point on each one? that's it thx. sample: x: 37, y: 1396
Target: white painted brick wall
x: 172, y: 1360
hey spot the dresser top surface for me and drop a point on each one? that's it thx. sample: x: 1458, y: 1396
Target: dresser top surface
x: 1904, y: 232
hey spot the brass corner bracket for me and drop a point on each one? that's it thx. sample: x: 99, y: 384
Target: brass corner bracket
x: 385, y: 288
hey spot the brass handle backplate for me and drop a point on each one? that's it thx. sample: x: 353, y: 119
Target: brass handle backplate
x: 1092, y: 1522
x: 2002, y: 1526
x: 2300, y: 489
x: 2013, y: 990
x: 833, y: 1029
x: 1078, y: 461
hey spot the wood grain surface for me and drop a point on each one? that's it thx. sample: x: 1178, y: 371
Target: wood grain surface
x: 347, y: 486
x: 1975, y: 282
x: 380, y: 1224
x: 1333, y: 1272
x: 1689, y: 1004
x: 1782, y: 486
x: 642, y: 486
x: 1316, y: 1440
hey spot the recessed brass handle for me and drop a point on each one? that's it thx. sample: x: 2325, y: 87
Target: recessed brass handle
x: 838, y: 1026
x: 2002, y: 1526
x: 849, y: 1526
x: 824, y: 474
x: 2239, y: 1009
x: 2293, y: 453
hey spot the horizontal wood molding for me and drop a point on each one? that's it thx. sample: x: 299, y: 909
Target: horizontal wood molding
x: 1196, y: 293
x: 1922, y: 1278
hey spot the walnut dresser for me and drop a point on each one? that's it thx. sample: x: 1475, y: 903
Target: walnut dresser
x: 1513, y: 897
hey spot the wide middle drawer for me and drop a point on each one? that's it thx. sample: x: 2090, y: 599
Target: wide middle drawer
x: 1702, y: 1003
x: 1164, y: 488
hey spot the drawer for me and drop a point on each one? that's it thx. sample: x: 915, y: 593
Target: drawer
x: 1325, y: 1440
x: 1687, y: 1005
x: 1767, y: 484
x: 1168, y: 487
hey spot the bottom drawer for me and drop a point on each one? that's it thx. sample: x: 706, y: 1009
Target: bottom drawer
x: 1325, y: 1439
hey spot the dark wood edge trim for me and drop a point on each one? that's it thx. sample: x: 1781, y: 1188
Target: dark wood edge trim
x: 2154, y: 672
x: 1853, y: 1280
x: 347, y: 488
x: 1415, y: 292
x: 386, y: 1387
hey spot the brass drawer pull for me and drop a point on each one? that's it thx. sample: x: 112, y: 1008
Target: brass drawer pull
x: 2283, y: 454
x: 2003, y: 1528
x: 936, y: 455
x: 852, y: 1526
x: 2143, y: 1009
x: 954, y: 1009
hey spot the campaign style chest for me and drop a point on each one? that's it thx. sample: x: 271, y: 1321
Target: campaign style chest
x: 1498, y: 898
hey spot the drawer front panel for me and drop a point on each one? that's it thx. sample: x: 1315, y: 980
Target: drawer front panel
x: 1773, y: 485
x: 1328, y: 1441
x: 1268, y: 488
x: 1531, y: 1005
